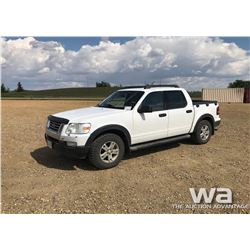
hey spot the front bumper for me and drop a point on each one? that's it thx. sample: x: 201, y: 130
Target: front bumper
x: 79, y: 152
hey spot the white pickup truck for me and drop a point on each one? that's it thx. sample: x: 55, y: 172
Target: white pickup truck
x: 130, y: 119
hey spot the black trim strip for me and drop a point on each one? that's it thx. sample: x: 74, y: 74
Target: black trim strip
x: 112, y: 128
x: 159, y: 142
x: 149, y: 86
x: 217, y: 123
x: 199, y: 102
x: 203, y: 117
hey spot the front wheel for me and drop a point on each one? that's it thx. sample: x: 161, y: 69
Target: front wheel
x: 202, y: 132
x: 106, y: 151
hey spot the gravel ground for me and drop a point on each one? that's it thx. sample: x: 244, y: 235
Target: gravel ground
x: 35, y: 180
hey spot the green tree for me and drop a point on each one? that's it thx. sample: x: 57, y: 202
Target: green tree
x: 19, y: 87
x: 3, y: 88
x: 103, y: 84
x: 239, y: 84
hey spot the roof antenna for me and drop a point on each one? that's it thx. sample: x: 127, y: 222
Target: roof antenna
x: 147, y: 86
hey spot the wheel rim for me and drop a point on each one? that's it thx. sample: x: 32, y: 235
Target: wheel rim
x: 205, y: 132
x: 109, y: 151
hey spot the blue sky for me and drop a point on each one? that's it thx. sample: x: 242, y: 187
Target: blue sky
x: 75, y: 43
x: 242, y: 42
x: 60, y: 62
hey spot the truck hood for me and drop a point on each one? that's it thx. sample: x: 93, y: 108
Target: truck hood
x: 84, y: 114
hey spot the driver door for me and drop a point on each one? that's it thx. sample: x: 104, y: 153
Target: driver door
x: 153, y: 123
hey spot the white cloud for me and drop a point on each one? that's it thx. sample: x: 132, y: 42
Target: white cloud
x: 44, y: 70
x: 192, y: 62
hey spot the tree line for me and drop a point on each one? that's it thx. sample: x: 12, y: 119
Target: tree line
x: 239, y: 84
x: 102, y: 84
x: 6, y: 89
x: 20, y: 88
x: 235, y: 84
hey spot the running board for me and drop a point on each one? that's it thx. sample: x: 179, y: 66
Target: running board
x: 159, y: 142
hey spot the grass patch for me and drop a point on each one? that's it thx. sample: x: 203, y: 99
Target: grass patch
x: 88, y: 93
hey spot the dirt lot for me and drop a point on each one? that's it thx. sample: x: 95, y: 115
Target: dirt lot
x: 35, y: 180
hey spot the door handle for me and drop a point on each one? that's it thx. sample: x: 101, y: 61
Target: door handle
x: 189, y: 111
x: 162, y: 115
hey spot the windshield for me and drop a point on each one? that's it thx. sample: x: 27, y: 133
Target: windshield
x: 121, y: 99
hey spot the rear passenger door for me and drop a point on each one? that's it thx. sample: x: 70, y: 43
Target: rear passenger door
x: 180, y: 113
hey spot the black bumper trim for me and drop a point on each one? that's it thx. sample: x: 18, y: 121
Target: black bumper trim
x: 217, y: 123
x: 62, y: 148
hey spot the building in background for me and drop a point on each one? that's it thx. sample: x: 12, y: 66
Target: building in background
x: 247, y: 95
x: 224, y: 94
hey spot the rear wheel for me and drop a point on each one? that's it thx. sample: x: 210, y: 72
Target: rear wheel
x: 106, y: 151
x: 203, y: 132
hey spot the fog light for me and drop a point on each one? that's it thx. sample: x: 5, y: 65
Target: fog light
x: 71, y: 144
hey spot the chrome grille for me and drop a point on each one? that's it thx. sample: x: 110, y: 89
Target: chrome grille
x: 54, y: 125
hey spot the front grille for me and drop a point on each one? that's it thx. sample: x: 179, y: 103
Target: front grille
x: 56, y: 123
x: 54, y: 126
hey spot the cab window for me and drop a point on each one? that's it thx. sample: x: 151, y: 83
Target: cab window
x: 154, y: 101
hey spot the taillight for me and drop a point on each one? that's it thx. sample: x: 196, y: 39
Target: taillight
x: 218, y: 110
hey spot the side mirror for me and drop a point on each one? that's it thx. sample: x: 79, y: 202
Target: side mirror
x: 145, y: 109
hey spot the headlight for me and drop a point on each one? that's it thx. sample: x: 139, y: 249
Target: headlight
x: 78, y: 128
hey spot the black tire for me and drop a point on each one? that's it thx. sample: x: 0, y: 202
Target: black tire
x: 98, y: 149
x: 199, y: 135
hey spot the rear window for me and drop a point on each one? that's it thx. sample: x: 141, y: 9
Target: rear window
x: 174, y: 99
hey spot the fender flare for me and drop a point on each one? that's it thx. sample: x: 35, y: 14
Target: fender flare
x: 208, y: 117
x: 112, y: 128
